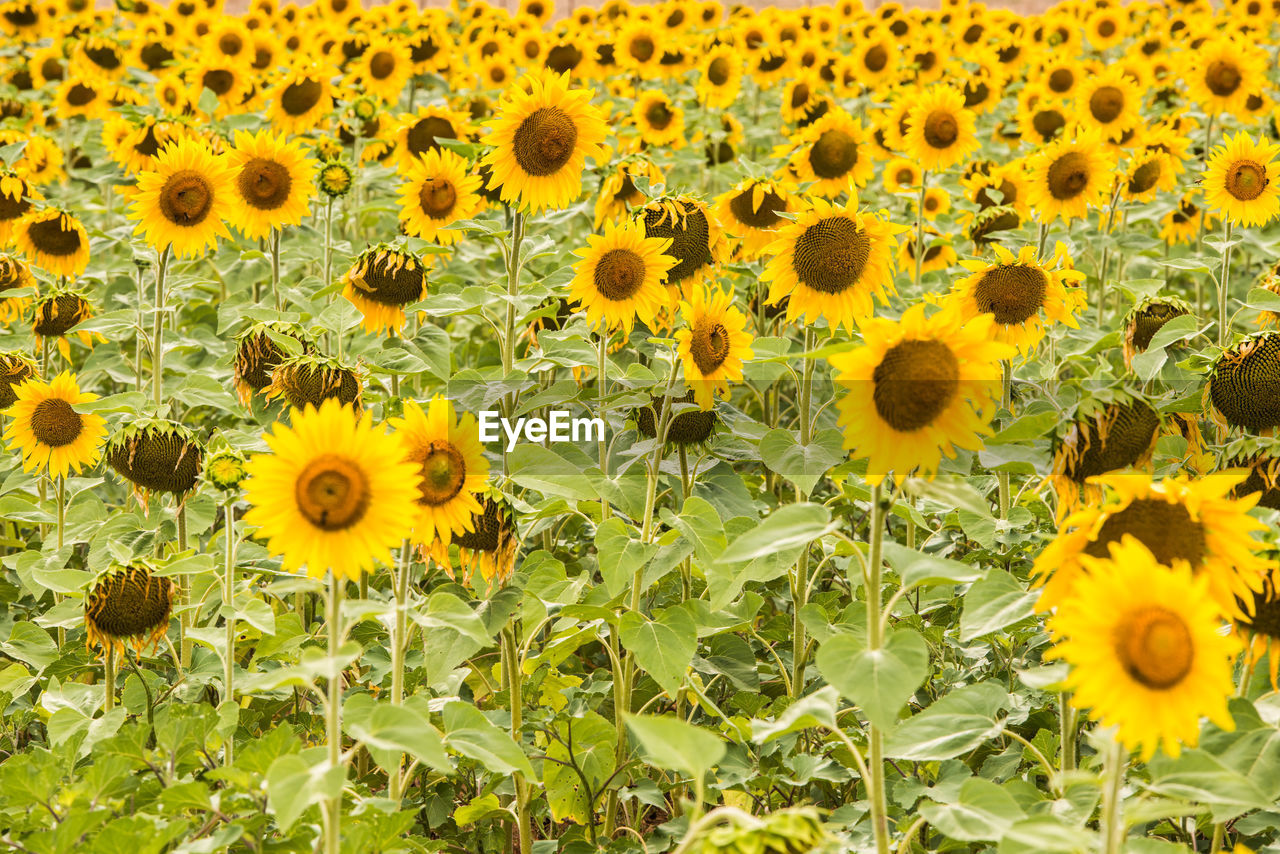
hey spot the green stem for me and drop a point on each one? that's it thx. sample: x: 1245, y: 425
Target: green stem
x: 1113, y: 829
x: 515, y: 683
x: 919, y: 253
x: 1067, y: 731
x: 109, y: 677
x: 228, y: 604
x: 875, y: 639
x: 184, y: 592
x: 399, y: 629
x: 513, y: 290
x: 333, y: 714
x: 602, y: 379
x: 800, y: 580
x: 157, y: 332
x: 1006, y: 403
x: 275, y: 266
x: 1224, y: 285
x: 328, y: 259
x: 1215, y: 844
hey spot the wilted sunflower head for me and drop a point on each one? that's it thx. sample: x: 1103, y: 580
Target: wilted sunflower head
x: 157, y: 456
x: 1114, y: 436
x: 696, y: 240
x: 263, y: 346
x: 58, y: 312
x: 492, y: 546
x: 1244, y: 384
x: 690, y: 425
x: 1146, y: 319
x: 311, y: 379
x: 993, y: 220
x: 381, y: 282
x: 130, y: 605
x: 335, y: 179
x: 1259, y: 623
x: 15, y: 369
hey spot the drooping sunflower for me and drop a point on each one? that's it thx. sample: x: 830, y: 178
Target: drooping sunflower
x: 381, y: 282
x: 832, y: 155
x: 438, y: 191
x: 712, y: 344
x: 15, y: 275
x: 1145, y: 649
x: 260, y: 348
x: 1258, y: 627
x: 688, y: 424
x: 620, y: 276
x: 129, y: 605
x: 918, y: 388
x: 310, y: 379
x: 1146, y: 319
x: 15, y: 369
x: 274, y: 182
x: 1109, y: 101
x: 301, y: 99
x: 53, y: 240
x: 490, y: 548
x: 830, y: 263
x: 335, y: 493
x: 1240, y: 180
x: 184, y: 202
x: 660, y: 122
x: 1017, y: 290
x: 444, y: 450
x: 543, y: 134
x: 157, y: 455
x: 697, y: 241
x: 1068, y: 176
x: 1182, y: 224
x: 939, y: 254
x: 16, y: 197
x: 45, y: 425
x: 1226, y: 72
x: 619, y: 192
x: 721, y: 77
x: 1180, y: 519
x: 939, y: 128
x: 751, y: 213
x: 1110, y: 432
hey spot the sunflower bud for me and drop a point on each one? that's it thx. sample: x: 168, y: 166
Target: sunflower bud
x: 225, y: 469
x: 335, y: 179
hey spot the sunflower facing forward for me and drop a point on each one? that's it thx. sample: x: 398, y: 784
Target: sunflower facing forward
x: 451, y: 470
x: 1017, y: 290
x: 54, y: 241
x: 1178, y: 519
x: 713, y: 343
x: 940, y: 128
x: 184, y: 202
x: 542, y: 137
x: 273, y: 182
x: 438, y: 192
x: 335, y: 493
x: 1240, y: 180
x: 830, y: 263
x: 917, y: 389
x: 620, y: 276
x: 1145, y: 649
x: 1068, y: 176
x: 48, y: 429
x: 832, y: 155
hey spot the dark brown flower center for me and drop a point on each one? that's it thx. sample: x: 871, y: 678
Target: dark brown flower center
x: 1222, y: 77
x: 876, y: 58
x: 104, y: 57
x: 1106, y: 104
x: 79, y: 95
x: 50, y: 238
x: 11, y: 208
x: 1165, y: 528
x: 332, y: 493
x: 219, y: 80
x: 764, y: 217
x: 443, y: 473
x: 264, y: 184
x: 659, y: 115
x: 131, y: 603
x: 1061, y: 80
x: 718, y: 71
x: 186, y: 198
x: 1012, y: 293
x: 300, y: 96
x: 437, y: 197
x: 545, y: 141
x: 619, y: 274
x: 831, y: 255
x: 389, y: 280
x: 382, y: 64
x: 709, y: 345
x: 642, y: 49
x: 1048, y: 123
x: 1144, y: 177
x: 1069, y: 175
x: 424, y: 133
x: 914, y: 383
x: 1155, y: 647
x: 55, y: 423
x: 1246, y: 179
x: 834, y: 154
x: 690, y: 240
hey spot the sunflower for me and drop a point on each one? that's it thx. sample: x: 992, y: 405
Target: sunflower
x: 383, y: 69
x: 273, y: 183
x: 228, y: 79
x: 79, y: 97
x: 1016, y: 290
x: 1225, y: 73
x: 902, y: 175
x: 1240, y: 180
x: 183, y: 203
x: 541, y: 138
x: 128, y: 605
x: 832, y: 155
x: 309, y: 380
x: 660, y: 122
x: 713, y: 343
x: 1258, y: 625
x: 156, y: 455
x: 301, y: 99
x: 802, y: 97
x: 721, y: 77
x: 444, y: 451
x: 334, y: 178
x: 1103, y: 436
x: 1149, y: 172
x: 937, y: 202
x: 335, y: 493
x: 939, y: 128
x: 697, y: 241
x: 752, y: 211
x: 54, y: 241
x: 830, y: 263
x: 1146, y: 319
x: 939, y: 254
x: 46, y: 427
x: 15, y: 275
x: 1145, y: 649
x: 1068, y: 176
x: 381, y: 282
x: 1041, y: 119
x: 15, y: 369
x: 1109, y: 101
x: 876, y: 59
x: 16, y: 197
x: 1106, y: 27
x: 489, y: 546
x: 619, y: 192
x: 1191, y: 521
x: 1182, y: 224
x: 418, y: 132
x: 438, y: 192
x: 917, y: 389
x: 620, y: 276
x: 1244, y: 384
x: 688, y: 424
x: 262, y: 347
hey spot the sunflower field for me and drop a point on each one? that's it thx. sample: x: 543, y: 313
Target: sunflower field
x: 641, y: 428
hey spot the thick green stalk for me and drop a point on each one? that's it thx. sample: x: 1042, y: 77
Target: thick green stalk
x: 399, y: 630
x: 228, y: 603
x: 513, y: 291
x: 333, y: 714
x: 109, y: 677
x: 602, y: 348
x: 1224, y: 278
x: 800, y: 579
x: 515, y: 685
x: 157, y: 333
x: 1113, y: 829
x: 275, y: 266
x: 1006, y: 403
x: 1067, y: 731
x: 875, y: 738
x: 919, y: 253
